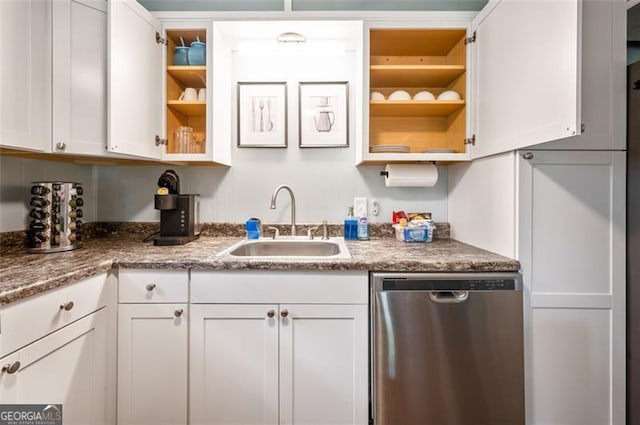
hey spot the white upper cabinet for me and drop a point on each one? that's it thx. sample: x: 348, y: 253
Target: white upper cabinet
x: 80, y: 77
x: 515, y: 68
x: 525, y: 74
x: 162, y: 103
x: 135, y: 83
x: 25, y: 86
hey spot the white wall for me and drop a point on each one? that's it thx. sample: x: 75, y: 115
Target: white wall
x: 481, y: 202
x: 16, y: 176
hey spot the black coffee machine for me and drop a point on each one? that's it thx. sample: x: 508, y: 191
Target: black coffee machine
x: 179, y: 214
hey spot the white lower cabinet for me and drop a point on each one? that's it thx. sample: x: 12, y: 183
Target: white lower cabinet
x: 152, y: 364
x: 281, y: 359
x: 152, y: 347
x: 67, y: 367
x: 57, y: 348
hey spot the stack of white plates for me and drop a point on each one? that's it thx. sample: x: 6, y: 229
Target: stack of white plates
x: 390, y: 149
x: 439, y: 150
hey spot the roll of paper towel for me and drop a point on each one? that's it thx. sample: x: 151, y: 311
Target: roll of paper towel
x: 410, y: 175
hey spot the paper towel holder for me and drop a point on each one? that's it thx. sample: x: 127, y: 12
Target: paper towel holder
x: 386, y: 173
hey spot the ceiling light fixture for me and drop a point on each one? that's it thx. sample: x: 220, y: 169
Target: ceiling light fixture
x: 291, y: 37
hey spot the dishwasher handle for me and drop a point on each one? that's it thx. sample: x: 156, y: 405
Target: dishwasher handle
x: 448, y: 297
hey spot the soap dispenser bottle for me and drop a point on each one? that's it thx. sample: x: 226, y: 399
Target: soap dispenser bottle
x: 350, y: 226
x: 363, y: 228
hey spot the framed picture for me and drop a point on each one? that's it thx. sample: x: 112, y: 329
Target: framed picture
x: 262, y: 115
x: 324, y: 114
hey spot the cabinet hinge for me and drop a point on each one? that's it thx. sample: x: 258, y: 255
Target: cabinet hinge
x: 636, y: 85
x: 471, y: 39
x: 159, y: 39
x: 471, y: 141
x: 160, y: 141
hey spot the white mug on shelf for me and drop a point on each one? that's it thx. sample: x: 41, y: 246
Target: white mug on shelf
x: 202, y: 94
x: 189, y: 94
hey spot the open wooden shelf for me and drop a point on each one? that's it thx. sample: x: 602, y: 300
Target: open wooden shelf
x: 189, y: 76
x: 190, y: 108
x: 413, y: 60
x: 414, y: 108
x: 415, y: 75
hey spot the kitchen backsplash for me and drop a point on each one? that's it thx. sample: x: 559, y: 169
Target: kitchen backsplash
x: 324, y: 181
x: 323, y: 191
x: 16, y: 175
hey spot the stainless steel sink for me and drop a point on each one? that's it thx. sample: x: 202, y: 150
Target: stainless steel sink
x: 289, y: 247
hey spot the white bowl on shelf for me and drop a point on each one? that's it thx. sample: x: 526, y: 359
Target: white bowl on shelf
x: 376, y: 95
x: 424, y: 95
x: 449, y: 95
x: 400, y: 95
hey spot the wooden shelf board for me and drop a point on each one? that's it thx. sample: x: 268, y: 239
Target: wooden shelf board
x: 195, y: 108
x: 414, y: 75
x: 190, y: 76
x: 414, y: 42
x: 414, y: 108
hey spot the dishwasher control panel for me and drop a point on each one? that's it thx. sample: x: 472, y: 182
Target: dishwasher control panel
x: 467, y: 282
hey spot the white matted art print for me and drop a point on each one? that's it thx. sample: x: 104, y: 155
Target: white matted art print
x: 323, y: 114
x: 262, y: 114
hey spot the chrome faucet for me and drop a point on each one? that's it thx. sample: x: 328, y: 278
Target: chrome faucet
x: 293, y: 205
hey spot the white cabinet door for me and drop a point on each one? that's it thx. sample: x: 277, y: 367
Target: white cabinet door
x: 571, y: 245
x: 80, y: 76
x: 25, y: 86
x: 152, y: 364
x: 604, y: 76
x: 525, y: 75
x: 67, y: 367
x: 234, y: 364
x: 220, y: 79
x: 323, y: 364
x: 135, y: 80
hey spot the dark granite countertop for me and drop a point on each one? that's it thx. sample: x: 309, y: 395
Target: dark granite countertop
x: 23, y: 275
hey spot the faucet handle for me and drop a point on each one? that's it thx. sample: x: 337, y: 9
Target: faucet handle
x: 276, y: 232
x: 310, y: 231
x: 325, y: 231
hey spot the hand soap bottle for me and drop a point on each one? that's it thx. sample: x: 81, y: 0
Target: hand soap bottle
x: 350, y: 226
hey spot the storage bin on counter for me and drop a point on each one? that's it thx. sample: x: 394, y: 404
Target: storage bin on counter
x: 419, y: 234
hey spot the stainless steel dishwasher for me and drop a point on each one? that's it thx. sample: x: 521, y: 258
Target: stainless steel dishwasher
x: 447, y: 349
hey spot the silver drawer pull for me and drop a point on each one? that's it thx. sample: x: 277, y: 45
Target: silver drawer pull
x: 11, y: 368
x: 178, y: 312
x: 449, y: 297
x: 151, y: 286
x: 66, y: 306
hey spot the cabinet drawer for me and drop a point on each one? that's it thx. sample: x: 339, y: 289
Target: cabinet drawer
x: 26, y: 321
x: 253, y: 287
x: 157, y: 286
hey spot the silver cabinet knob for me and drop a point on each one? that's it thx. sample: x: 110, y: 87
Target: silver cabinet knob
x: 61, y: 146
x: 178, y: 312
x: 271, y: 313
x: 527, y: 155
x: 151, y: 286
x: 284, y: 313
x: 11, y: 368
x: 66, y: 306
